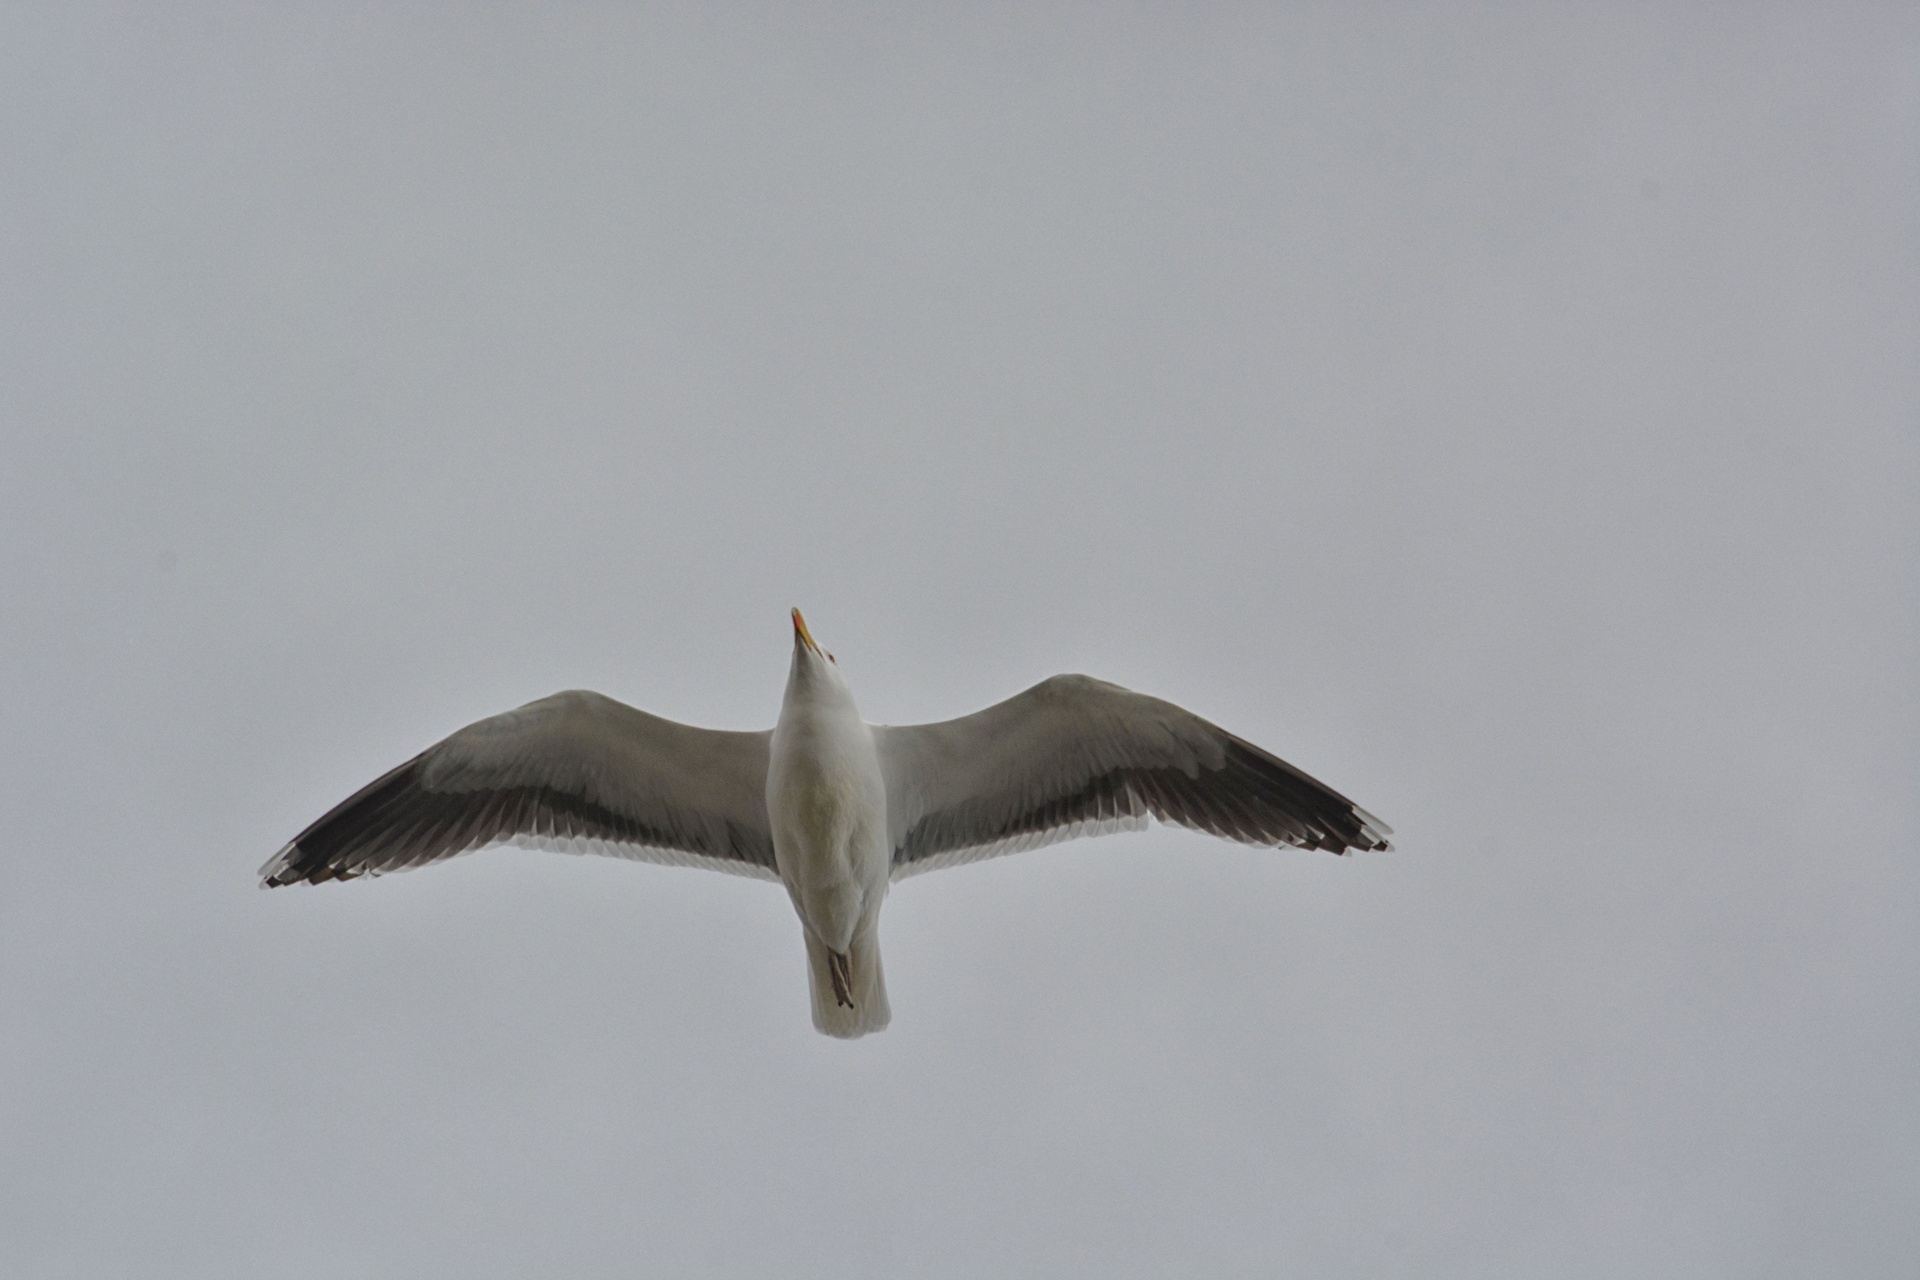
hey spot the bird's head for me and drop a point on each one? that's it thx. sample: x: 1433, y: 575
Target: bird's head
x: 812, y: 665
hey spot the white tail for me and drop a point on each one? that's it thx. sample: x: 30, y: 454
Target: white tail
x: 869, y: 989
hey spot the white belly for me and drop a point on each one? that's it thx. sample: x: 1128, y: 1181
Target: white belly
x: 828, y: 809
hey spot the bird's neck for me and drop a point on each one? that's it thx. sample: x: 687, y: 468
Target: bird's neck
x: 820, y: 732
x: 816, y: 691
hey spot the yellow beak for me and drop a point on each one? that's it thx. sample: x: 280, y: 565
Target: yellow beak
x: 800, y: 629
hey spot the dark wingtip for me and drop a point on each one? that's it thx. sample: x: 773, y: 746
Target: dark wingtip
x: 296, y: 864
x: 280, y: 867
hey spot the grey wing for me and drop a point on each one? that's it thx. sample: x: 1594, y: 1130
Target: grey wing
x: 578, y: 772
x: 1076, y: 756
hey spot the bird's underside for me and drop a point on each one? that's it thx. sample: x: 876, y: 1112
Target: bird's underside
x: 581, y: 772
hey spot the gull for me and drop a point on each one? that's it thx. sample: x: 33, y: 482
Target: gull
x: 832, y: 807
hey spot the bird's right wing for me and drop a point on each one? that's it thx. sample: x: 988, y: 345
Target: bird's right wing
x: 578, y: 772
x: 1076, y: 756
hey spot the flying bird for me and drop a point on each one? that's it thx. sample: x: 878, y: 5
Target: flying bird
x: 832, y: 807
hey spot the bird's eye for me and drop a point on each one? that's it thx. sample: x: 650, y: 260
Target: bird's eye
x: 835, y: 661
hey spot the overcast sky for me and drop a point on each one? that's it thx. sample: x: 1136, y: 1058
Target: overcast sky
x: 1507, y: 413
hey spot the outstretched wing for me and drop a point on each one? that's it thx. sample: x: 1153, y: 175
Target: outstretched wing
x: 1076, y: 756
x: 578, y: 772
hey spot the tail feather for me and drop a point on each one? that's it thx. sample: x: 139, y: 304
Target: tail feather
x: 850, y: 992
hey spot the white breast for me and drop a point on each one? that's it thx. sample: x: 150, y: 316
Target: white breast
x: 827, y: 806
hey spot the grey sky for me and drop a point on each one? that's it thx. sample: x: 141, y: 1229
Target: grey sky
x: 1506, y: 413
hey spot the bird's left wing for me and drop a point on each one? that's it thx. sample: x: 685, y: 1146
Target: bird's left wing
x: 578, y: 772
x: 1076, y: 756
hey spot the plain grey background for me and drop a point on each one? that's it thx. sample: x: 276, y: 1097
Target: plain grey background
x: 1505, y: 412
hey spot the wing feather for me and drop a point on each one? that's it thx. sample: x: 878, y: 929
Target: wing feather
x: 1076, y: 756
x: 577, y: 772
